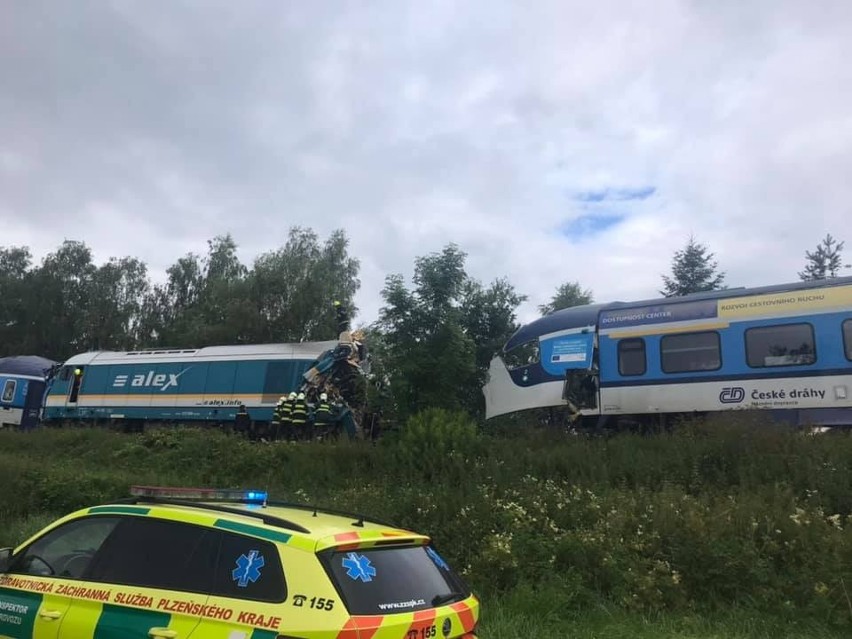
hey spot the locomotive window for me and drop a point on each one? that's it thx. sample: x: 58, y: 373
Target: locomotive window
x: 691, y: 352
x: 631, y: 357
x: 522, y: 355
x: 781, y: 345
x: 847, y: 338
x: 9, y: 390
x: 279, y: 378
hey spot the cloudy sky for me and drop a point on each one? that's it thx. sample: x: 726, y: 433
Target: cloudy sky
x: 552, y: 140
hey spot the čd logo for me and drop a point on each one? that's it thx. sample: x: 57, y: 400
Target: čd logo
x: 732, y: 395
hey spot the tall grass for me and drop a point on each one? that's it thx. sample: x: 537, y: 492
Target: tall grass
x: 714, y: 515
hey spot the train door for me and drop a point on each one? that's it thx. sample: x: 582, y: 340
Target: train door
x: 581, y: 389
x: 573, y: 356
x: 33, y: 398
x: 76, y: 382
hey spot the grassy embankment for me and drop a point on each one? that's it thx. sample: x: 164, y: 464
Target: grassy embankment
x: 717, y: 530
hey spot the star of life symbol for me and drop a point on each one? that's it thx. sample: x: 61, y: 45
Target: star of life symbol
x: 248, y: 568
x: 359, y: 567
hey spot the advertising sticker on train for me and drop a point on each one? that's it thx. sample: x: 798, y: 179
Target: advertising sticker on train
x: 567, y: 351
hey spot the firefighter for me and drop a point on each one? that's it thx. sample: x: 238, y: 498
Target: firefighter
x: 322, y: 416
x: 287, y: 416
x: 299, y: 415
x: 278, y: 418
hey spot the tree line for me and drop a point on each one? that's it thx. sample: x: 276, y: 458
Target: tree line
x: 432, y: 342
x: 67, y: 304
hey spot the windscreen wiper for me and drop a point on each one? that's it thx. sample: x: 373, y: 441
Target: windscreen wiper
x: 439, y: 600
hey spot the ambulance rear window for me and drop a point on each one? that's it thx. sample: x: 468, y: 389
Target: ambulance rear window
x: 383, y: 581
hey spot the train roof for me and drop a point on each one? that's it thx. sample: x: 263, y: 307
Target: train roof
x: 297, y: 350
x: 580, y: 316
x: 29, y: 365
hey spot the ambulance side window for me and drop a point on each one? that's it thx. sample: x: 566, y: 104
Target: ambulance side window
x: 66, y: 551
x: 249, y: 568
x: 154, y: 553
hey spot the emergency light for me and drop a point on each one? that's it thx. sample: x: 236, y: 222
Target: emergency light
x: 202, y: 494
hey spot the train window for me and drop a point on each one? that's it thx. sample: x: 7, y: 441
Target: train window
x: 631, y: 356
x: 847, y: 338
x: 781, y: 345
x: 279, y: 379
x: 522, y: 355
x: 9, y: 390
x: 691, y: 352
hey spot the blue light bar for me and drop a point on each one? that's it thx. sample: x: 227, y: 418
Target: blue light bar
x: 202, y: 494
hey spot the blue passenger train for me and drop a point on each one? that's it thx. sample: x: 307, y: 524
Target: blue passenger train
x: 204, y: 385
x: 784, y: 348
x: 23, y: 382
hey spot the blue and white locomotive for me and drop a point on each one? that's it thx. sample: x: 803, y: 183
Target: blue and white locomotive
x: 23, y: 381
x: 785, y: 348
x: 204, y: 385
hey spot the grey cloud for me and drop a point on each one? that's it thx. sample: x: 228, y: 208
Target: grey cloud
x: 145, y: 128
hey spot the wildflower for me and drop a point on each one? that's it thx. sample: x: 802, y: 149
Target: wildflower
x: 798, y: 517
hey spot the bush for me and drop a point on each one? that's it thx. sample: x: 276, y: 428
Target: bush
x: 709, y: 516
x: 435, y: 443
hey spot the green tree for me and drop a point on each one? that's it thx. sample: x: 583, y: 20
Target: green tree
x: 567, y: 295
x: 293, y: 289
x: 488, y: 318
x: 286, y: 296
x: 59, y: 308
x: 438, y: 338
x: 15, y: 297
x: 116, y: 296
x: 68, y: 304
x: 693, y: 271
x: 427, y: 355
x: 222, y: 313
x: 169, y: 311
x: 825, y: 261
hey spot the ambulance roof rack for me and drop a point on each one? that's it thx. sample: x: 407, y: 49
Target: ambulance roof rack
x: 332, y: 511
x: 193, y: 497
x: 200, y: 498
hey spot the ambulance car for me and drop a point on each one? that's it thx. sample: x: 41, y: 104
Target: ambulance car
x: 175, y: 563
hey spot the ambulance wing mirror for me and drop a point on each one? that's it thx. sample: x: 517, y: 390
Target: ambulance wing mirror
x: 5, y: 559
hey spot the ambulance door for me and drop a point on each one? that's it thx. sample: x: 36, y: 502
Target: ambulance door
x: 150, y: 580
x: 249, y: 593
x: 37, y: 590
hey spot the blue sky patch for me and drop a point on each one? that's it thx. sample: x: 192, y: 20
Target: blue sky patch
x: 590, y: 224
x: 616, y: 194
